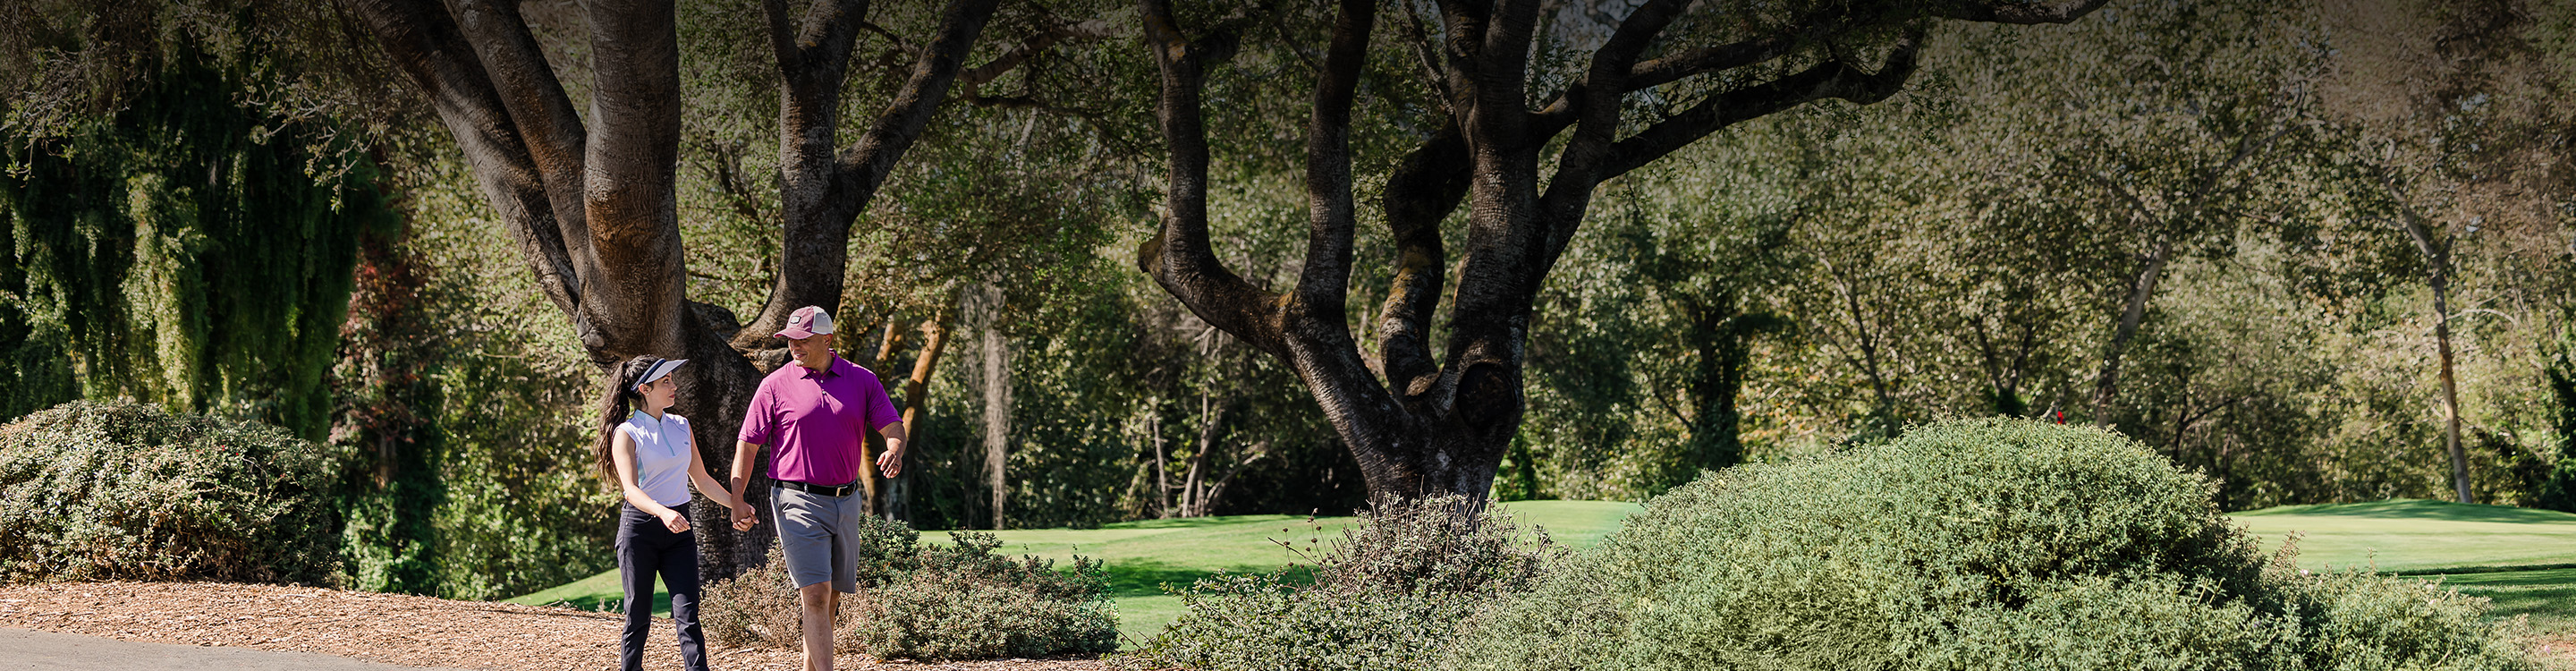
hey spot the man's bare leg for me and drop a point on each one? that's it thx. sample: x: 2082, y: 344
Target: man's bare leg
x: 819, y: 602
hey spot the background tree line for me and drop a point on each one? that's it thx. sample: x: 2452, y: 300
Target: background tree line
x: 2258, y: 236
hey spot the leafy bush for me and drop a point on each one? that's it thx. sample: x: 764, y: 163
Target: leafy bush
x: 128, y: 491
x: 1967, y: 545
x: 756, y: 608
x: 1389, y: 594
x: 956, y: 601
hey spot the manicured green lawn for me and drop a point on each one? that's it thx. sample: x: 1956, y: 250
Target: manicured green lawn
x: 1144, y: 556
x: 598, y: 592
x: 2418, y: 535
x: 2524, y: 559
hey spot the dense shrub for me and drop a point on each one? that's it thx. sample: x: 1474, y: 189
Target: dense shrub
x: 953, y: 601
x: 1389, y: 594
x: 1967, y: 545
x: 2557, y: 491
x: 100, y: 491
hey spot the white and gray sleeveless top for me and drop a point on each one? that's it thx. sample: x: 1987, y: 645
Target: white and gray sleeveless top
x: 661, y: 455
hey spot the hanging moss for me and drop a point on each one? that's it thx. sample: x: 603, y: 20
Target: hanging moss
x: 188, y: 250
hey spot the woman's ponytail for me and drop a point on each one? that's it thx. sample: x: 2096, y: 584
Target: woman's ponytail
x: 614, y: 406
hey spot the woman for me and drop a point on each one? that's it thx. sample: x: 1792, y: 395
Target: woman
x: 653, y: 459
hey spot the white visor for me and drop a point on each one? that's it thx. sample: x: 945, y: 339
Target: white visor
x: 659, y: 370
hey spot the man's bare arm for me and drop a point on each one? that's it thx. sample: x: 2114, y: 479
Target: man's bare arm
x: 891, y: 462
x: 745, y: 456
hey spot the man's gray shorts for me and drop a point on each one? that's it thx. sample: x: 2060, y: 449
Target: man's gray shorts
x: 818, y: 536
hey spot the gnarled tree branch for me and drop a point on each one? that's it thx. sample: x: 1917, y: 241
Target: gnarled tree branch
x: 1424, y: 188
x: 1179, y: 257
x: 629, y: 178
x: 538, y: 107
x: 1323, y: 284
x: 824, y: 188
x: 865, y: 165
x: 1830, y: 80
x: 425, y: 43
x: 1315, y: 319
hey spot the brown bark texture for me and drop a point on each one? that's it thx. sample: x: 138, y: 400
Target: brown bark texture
x: 2437, y: 275
x: 896, y: 501
x: 1416, y: 423
x: 593, y: 211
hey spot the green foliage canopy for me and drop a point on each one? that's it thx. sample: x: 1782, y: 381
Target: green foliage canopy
x: 190, y: 250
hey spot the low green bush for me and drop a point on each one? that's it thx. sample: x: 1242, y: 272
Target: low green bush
x: 1974, y: 544
x: 917, y: 601
x: 129, y: 491
x: 1389, y: 594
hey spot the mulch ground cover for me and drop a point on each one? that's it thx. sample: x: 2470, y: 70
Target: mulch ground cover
x: 392, y: 628
x: 425, y: 631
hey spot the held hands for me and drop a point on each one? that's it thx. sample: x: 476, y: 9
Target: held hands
x: 743, y: 517
x: 672, y: 520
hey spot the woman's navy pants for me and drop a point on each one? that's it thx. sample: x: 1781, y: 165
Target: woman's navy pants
x: 645, y: 549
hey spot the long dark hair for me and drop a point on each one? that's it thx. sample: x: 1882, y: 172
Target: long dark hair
x: 614, y: 406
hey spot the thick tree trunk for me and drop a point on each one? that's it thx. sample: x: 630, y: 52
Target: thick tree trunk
x: 2005, y: 364
x: 714, y: 389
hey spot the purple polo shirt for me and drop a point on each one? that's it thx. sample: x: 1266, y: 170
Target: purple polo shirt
x: 816, y: 423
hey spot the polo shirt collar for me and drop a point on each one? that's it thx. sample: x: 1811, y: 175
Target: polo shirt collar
x: 838, y: 368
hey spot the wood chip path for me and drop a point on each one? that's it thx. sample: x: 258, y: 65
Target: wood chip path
x: 392, y: 628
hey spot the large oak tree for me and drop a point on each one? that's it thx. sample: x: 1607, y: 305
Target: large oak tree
x: 590, y: 198
x: 1522, y: 147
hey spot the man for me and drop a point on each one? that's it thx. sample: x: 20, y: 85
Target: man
x: 815, y: 416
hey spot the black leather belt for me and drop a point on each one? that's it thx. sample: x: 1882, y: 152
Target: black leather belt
x: 811, y: 488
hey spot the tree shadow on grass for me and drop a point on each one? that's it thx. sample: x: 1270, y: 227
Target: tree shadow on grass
x: 2422, y: 509
x: 1147, y: 578
x: 1199, y: 522
x: 2558, y: 577
x: 2551, y: 607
